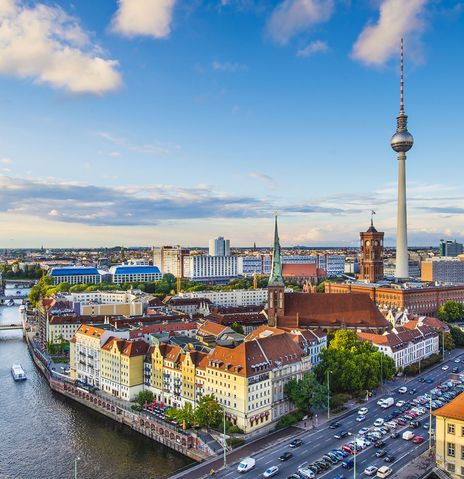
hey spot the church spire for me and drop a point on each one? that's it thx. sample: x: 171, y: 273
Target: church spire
x: 276, y: 278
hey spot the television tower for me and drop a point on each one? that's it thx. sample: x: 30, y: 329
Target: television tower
x: 402, y: 142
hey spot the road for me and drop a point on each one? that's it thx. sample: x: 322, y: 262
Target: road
x: 319, y: 442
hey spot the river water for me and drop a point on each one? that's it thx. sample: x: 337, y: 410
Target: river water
x: 42, y: 433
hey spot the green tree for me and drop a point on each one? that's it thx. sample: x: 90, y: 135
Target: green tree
x: 186, y: 415
x: 208, y: 412
x: 307, y: 392
x: 458, y: 336
x: 451, y: 312
x: 320, y: 288
x: 143, y: 396
x: 78, y: 288
x: 449, y: 342
x: 238, y: 328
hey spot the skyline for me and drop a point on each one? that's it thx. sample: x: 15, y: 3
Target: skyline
x: 179, y: 133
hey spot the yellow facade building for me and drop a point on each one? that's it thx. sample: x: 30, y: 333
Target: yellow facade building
x: 449, y: 447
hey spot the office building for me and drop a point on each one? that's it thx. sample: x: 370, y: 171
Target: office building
x: 450, y: 248
x: 134, y: 274
x: 219, y: 247
x: 210, y: 269
x: 76, y: 275
x: 443, y: 270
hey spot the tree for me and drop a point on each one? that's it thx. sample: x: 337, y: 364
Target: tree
x: 186, y: 415
x: 307, y: 392
x: 143, y: 396
x: 449, y: 342
x: 238, y: 328
x: 208, y: 412
x: 320, y: 288
x: 451, y: 312
x: 458, y: 336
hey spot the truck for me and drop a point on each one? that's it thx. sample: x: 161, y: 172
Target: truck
x: 387, y: 402
x: 246, y: 465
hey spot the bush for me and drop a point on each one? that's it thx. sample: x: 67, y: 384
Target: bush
x: 232, y: 429
x: 290, y: 419
x: 413, y: 369
x: 338, y: 400
x: 235, y: 442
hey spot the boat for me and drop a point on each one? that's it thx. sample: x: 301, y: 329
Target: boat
x: 18, y: 372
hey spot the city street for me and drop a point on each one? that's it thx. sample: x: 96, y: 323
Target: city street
x: 321, y: 441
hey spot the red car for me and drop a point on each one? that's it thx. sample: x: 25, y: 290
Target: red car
x: 401, y: 422
x: 417, y: 439
x: 347, y: 448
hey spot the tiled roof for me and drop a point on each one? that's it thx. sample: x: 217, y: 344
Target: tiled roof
x: 160, y: 328
x: 187, y: 301
x: 90, y: 331
x: 331, y: 309
x: 228, y: 319
x: 303, y: 270
x: 210, y: 328
x: 127, y: 348
x: 453, y: 410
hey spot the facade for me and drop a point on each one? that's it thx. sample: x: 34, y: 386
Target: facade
x: 333, y: 264
x: 210, y: 268
x: 237, y: 297
x: 76, y: 275
x: 414, y: 268
x: 449, y: 439
x: 249, y: 317
x: 443, y: 270
x: 170, y: 259
x: 405, y: 345
x: 219, y: 247
x: 121, y: 372
x: 190, y: 306
x: 371, y: 267
x: 450, y: 248
x: 254, y: 264
x: 415, y: 297
x: 130, y: 274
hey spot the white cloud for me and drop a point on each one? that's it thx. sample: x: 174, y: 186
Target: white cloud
x: 228, y: 67
x: 265, y: 178
x: 5, y: 161
x: 318, y: 46
x: 291, y: 17
x: 151, y: 18
x: 379, y: 41
x: 154, y: 149
x: 46, y: 44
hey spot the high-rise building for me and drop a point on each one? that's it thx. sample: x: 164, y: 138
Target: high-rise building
x: 170, y: 259
x: 443, y: 270
x: 450, y: 248
x: 402, y: 142
x: 219, y: 247
x: 371, y: 268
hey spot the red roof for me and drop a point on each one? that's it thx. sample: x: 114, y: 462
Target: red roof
x: 304, y: 270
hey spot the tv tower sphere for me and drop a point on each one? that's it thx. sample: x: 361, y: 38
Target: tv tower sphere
x: 402, y: 141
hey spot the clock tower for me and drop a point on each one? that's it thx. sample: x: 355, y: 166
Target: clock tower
x: 371, y: 267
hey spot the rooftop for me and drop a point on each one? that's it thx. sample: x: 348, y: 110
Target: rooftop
x: 452, y: 410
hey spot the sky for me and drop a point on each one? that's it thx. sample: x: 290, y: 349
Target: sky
x: 149, y: 122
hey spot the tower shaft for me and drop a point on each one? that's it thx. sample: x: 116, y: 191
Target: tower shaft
x: 402, y: 259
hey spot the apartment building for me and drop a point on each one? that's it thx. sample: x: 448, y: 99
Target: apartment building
x: 210, y: 268
x: 443, y: 270
x: 449, y: 437
x: 238, y: 297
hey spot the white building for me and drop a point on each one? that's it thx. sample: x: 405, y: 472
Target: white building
x: 405, y: 345
x: 76, y: 275
x: 238, y: 297
x: 249, y: 265
x: 141, y: 274
x: 210, y: 268
x: 219, y: 247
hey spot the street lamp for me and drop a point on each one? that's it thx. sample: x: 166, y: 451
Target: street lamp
x: 75, y: 466
x: 381, y: 372
x: 354, y: 457
x: 225, y: 440
x: 430, y: 423
x: 443, y: 343
x: 328, y: 393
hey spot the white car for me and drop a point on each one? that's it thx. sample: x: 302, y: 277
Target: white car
x: 378, y: 422
x: 360, y: 418
x: 271, y: 471
x: 457, y: 360
x: 391, y: 424
x: 370, y: 471
x: 363, y: 431
x: 403, y: 389
x: 400, y: 403
x: 384, y: 471
x: 306, y: 473
x: 445, y: 368
x: 379, y: 402
x: 363, y: 411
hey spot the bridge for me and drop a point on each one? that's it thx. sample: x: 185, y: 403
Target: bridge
x: 8, y: 327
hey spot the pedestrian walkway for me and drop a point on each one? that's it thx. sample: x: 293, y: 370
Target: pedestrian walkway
x: 418, y: 467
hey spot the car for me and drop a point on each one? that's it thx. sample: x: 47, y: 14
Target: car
x: 360, y: 418
x: 294, y: 476
x: 323, y: 465
x: 381, y: 453
x: 339, y: 453
x: 455, y: 370
x: 328, y: 459
x: 445, y: 367
x: 339, y: 476
x: 363, y: 431
x: 348, y: 463
x: 395, y: 435
x: 271, y: 471
x: 457, y: 360
x: 379, y: 444
x: 415, y: 424
x: 341, y: 434
x: 348, y: 448
x: 314, y: 468
x: 413, y: 391
x: 400, y: 421
x: 418, y: 439
x: 421, y: 380
x: 296, y: 443
x: 370, y: 470
x: 389, y: 458
x: 391, y: 424
x: 333, y: 457
x: 378, y: 422
x: 429, y: 380
x: 400, y: 403
x: 384, y: 471
x: 363, y: 411
x: 285, y: 456
x: 334, y: 425
x: 306, y: 473
x: 403, y: 389
x: 246, y: 464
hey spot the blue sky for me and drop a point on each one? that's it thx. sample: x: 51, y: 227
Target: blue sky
x: 144, y: 122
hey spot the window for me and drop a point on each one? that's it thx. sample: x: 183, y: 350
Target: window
x: 462, y: 431
x: 450, y: 428
x: 462, y: 452
x: 451, y: 449
x: 450, y: 467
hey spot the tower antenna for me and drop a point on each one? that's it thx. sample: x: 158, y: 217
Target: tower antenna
x: 401, y: 78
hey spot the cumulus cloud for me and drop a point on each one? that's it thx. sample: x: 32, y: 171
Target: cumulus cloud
x: 318, y: 46
x: 380, y: 40
x: 291, y: 17
x: 46, y: 44
x: 152, y: 18
x: 228, y: 67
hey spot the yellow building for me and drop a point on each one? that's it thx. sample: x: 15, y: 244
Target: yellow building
x: 121, y: 372
x: 450, y: 437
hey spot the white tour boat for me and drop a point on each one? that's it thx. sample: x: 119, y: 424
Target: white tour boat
x: 18, y: 372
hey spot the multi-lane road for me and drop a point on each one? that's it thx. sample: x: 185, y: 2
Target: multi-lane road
x: 318, y: 442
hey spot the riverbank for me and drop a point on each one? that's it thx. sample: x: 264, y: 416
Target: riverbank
x: 188, y: 444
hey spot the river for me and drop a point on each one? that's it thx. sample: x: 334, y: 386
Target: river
x: 42, y: 432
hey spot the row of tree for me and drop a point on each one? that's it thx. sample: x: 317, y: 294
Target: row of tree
x: 12, y: 271
x: 451, y: 312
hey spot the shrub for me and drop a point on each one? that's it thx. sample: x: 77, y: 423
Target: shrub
x: 235, y: 442
x: 290, y: 419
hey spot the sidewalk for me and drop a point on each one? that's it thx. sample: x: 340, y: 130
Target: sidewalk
x: 418, y: 467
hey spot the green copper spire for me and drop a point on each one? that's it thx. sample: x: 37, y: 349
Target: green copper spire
x: 276, y: 278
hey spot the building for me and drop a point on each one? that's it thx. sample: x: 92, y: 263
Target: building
x: 210, y: 269
x: 449, y: 437
x: 302, y: 272
x: 76, y: 275
x: 219, y: 247
x: 170, y: 259
x: 253, y: 264
x: 134, y: 274
x: 371, y: 264
x: 311, y: 310
x: 121, y: 373
x: 211, y: 334
x: 443, y: 270
x: 418, y: 298
x: 450, y: 248
x: 237, y: 297
x: 405, y: 345
x: 249, y: 317
x: 401, y: 143
x: 190, y: 306
x: 333, y: 264
x: 414, y: 268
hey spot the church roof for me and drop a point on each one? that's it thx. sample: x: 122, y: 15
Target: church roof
x: 276, y: 278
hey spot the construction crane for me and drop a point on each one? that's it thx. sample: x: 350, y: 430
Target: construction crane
x: 255, y: 280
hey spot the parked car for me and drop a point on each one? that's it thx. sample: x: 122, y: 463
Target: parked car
x: 348, y: 463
